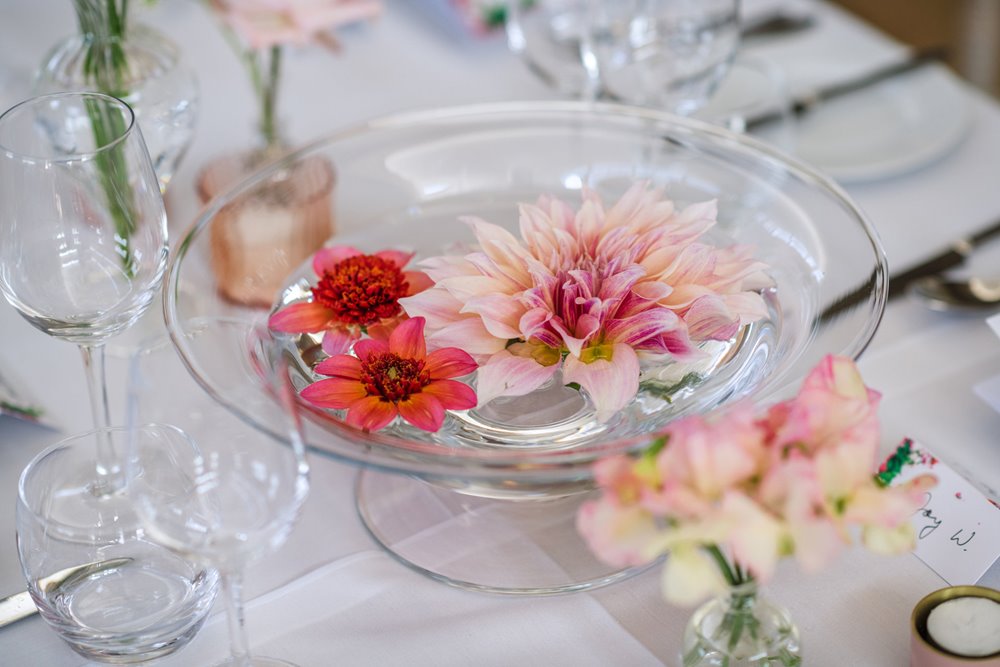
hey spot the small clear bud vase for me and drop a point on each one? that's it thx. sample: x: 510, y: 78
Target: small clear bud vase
x: 740, y: 628
x: 135, y: 63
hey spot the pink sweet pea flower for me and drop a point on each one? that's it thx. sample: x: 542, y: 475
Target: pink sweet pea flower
x: 355, y: 293
x: 393, y: 378
x: 266, y: 23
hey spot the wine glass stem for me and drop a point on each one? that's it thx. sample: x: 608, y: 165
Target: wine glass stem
x: 239, y: 647
x: 97, y: 384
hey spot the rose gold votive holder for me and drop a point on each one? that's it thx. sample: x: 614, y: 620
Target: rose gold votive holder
x: 924, y: 651
x: 267, y: 232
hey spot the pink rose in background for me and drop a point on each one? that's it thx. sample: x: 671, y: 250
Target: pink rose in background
x: 266, y: 23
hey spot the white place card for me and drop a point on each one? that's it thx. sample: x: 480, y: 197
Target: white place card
x: 958, y: 528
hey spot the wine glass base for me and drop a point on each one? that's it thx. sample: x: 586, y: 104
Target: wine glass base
x: 508, y: 546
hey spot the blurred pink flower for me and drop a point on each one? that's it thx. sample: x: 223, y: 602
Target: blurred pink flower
x: 589, y: 292
x: 394, y: 378
x: 266, y: 23
x: 354, y: 294
x: 793, y: 481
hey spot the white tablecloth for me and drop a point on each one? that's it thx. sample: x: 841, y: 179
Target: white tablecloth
x: 330, y: 596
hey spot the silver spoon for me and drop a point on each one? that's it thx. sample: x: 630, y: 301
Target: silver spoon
x: 942, y: 294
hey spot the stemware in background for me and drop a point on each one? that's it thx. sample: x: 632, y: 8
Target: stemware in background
x: 664, y: 54
x: 83, y: 233
x: 97, y: 580
x: 207, y: 484
x: 549, y: 35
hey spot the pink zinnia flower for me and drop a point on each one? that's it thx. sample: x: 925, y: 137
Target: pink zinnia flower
x: 355, y: 294
x: 395, y: 378
x: 591, y: 292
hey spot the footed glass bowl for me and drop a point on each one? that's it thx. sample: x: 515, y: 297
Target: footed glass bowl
x: 488, y: 501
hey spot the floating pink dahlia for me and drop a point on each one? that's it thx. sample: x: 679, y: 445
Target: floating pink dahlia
x: 589, y: 291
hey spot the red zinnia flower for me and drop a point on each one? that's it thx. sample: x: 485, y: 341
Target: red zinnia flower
x: 355, y: 292
x: 395, y: 378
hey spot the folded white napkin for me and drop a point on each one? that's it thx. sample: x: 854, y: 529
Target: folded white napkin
x: 360, y: 610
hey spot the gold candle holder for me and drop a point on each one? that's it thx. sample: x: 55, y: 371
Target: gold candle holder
x: 924, y: 651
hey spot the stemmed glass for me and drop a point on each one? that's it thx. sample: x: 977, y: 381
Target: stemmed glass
x: 205, y: 483
x: 665, y: 54
x: 83, y: 232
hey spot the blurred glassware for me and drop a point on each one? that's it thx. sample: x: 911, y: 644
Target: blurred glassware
x: 549, y: 36
x: 210, y: 486
x: 106, y: 589
x: 753, y: 88
x: 664, y: 54
x: 135, y: 63
x: 83, y: 227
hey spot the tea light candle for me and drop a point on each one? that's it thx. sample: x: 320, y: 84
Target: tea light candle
x: 966, y: 626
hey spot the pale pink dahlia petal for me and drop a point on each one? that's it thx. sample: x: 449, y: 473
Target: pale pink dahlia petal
x: 437, y: 306
x: 339, y: 340
x: 642, y: 327
x: 467, y: 334
x: 505, y: 374
x: 449, y: 362
x: 679, y: 345
x: 342, y: 365
x: 464, y: 288
x: 303, y: 317
x: 500, y: 313
x: 371, y: 413
x: 708, y: 318
x: 612, y: 384
x: 452, y: 394
x: 326, y: 258
x: 423, y: 411
x: 366, y: 347
x: 407, y: 340
x: 533, y: 321
x: 336, y: 393
x: 447, y: 266
x: 749, y: 306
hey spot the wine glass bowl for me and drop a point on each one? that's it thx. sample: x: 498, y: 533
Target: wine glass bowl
x: 206, y: 483
x: 406, y: 180
x: 83, y: 225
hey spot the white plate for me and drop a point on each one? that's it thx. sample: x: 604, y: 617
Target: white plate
x: 888, y: 129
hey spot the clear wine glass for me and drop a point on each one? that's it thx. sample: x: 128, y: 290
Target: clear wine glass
x: 83, y: 232
x: 665, y: 54
x: 205, y: 483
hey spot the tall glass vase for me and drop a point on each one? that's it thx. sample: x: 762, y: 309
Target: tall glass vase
x: 135, y: 63
x: 741, y: 629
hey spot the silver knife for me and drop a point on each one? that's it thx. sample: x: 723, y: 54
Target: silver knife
x: 19, y: 605
x: 803, y: 104
x: 951, y: 257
